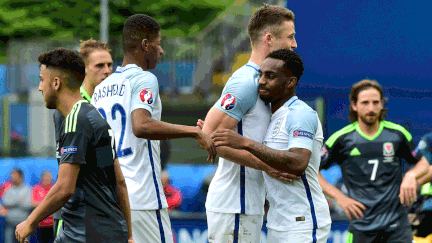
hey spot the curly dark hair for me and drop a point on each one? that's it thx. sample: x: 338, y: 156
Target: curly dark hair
x: 268, y: 18
x: 293, y: 61
x: 364, y: 85
x: 137, y: 28
x: 67, y: 61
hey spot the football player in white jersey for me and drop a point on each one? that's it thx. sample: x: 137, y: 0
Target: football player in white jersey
x: 129, y: 100
x: 298, y: 210
x: 235, y: 201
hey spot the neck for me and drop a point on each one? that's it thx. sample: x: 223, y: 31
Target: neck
x: 67, y: 100
x: 259, y: 54
x: 279, y: 103
x: 130, y: 58
x: 369, y: 130
x: 88, y: 87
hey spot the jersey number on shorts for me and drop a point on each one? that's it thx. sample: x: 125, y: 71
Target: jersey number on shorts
x: 117, y: 107
x: 375, y: 163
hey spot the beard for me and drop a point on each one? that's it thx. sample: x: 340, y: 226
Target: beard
x: 370, y: 120
x: 50, y: 101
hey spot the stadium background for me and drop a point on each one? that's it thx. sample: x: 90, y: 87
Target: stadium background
x: 341, y: 42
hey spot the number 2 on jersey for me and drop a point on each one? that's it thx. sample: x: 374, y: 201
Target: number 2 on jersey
x: 118, y: 108
x: 375, y: 163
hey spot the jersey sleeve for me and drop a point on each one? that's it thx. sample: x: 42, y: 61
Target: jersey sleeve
x: 330, y: 153
x: 301, y: 127
x: 407, y: 150
x: 239, y: 95
x: 145, y: 90
x: 425, y: 148
x: 73, y: 148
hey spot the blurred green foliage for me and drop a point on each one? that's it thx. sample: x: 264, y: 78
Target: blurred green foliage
x: 67, y: 19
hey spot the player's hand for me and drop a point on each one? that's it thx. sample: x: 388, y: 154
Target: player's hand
x: 279, y: 175
x: 130, y: 240
x: 351, y: 207
x: 200, y: 124
x: 408, y: 189
x: 23, y: 230
x: 206, y: 143
x: 229, y: 138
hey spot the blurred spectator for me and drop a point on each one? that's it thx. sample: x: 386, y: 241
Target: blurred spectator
x: 18, y: 142
x: 44, y: 232
x: 172, y: 194
x: 16, y: 204
x: 199, y: 205
x: 4, y: 187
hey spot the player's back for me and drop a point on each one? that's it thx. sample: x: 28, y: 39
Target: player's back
x: 115, y: 98
x: 236, y: 188
x: 92, y: 213
x: 372, y: 170
x: 301, y: 204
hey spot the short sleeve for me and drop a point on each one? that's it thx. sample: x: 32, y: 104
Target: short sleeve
x: 301, y: 127
x: 239, y: 95
x: 330, y: 153
x: 145, y: 90
x: 407, y: 150
x: 73, y: 148
x: 425, y: 148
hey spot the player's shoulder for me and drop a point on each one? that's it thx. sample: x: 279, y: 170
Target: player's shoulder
x: 78, y: 120
x: 339, y: 134
x: 244, y: 76
x: 398, y: 128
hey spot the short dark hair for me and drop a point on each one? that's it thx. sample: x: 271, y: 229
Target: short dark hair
x: 268, y: 18
x: 356, y: 89
x: 293, y: 61
x: 137, y: 28
x: 67, y: 61
x: 19, y: 171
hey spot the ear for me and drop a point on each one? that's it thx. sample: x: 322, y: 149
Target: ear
x: 354, y: 106
x: 268, y: 39
x: 56, y: 84
x: 144, y: 45
x: 292, y: 82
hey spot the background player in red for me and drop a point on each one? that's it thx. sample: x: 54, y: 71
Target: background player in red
x: 44, y: 231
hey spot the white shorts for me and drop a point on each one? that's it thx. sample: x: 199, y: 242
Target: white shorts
x: 151, y: 226
x: 234, y: 228
x: 304, y: 236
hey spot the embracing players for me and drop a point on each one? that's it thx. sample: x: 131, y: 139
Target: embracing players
x: 129, y: 100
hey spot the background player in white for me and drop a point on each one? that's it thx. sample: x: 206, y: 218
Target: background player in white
x: 129, y: 100
x: 298, y: 210
x: 235, y: 201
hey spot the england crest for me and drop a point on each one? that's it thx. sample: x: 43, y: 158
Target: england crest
x: 276, y: 127
x: 388, y: 149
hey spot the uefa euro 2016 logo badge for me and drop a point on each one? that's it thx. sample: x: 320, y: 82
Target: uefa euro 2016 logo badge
x: 147, y: 96
x: 228, y: 102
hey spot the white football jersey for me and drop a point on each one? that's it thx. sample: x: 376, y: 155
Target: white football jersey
x: 236, y: 188
x: 127, y: 89
x: 301, y: 204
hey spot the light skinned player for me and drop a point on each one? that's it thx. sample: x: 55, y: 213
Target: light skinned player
x: 370, y: 152
x: 130, y: 102
x: 90, y: 189
x: 235, y: 201
x: 98, y: 66
x: 298, y: 211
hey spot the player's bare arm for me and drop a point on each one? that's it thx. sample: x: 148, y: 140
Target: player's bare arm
x: 426, y: 178
x: 216, y: 120
x: 351, y: 207
x: 408, y: 189
x: 144, y: 126
x: 294, y: 161
x: 123, y: 198
x: 56, y: 198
